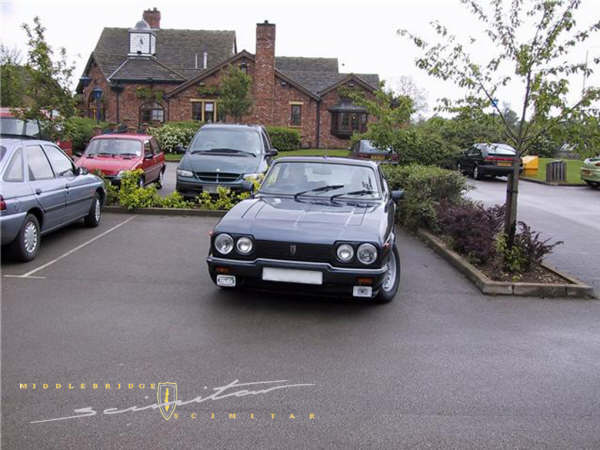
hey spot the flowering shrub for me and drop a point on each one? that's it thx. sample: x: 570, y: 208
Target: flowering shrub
x: 172, y: 134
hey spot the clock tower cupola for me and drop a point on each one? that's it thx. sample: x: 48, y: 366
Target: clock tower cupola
x: 142, y: 40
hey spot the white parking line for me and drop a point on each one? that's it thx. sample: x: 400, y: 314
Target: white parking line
x: 49, y: 263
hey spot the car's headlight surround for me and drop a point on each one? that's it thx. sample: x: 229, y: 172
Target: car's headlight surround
x: 223, y: 243
x: 184, y: 173
x: 252, y: 176
x: 244, y: 245
x: 344, y: 253
x: 366, y: 253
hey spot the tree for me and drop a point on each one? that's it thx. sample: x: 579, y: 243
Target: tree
x: 405, y: 86
x: 529, y: 44
x: 11, y: 77
x: 235, y: 93
x: 48, y: 81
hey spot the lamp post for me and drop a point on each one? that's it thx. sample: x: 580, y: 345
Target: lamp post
x: 97, y: 94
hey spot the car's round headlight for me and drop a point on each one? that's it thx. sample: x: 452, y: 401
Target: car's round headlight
x: 345, y: 252
x: 244, y: 245
x: 224, y: 243
x: 366, y: 253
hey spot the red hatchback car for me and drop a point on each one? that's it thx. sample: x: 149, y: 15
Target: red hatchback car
x: 113, y: 154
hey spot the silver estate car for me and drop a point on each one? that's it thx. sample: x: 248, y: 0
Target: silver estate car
x: 42, y: 190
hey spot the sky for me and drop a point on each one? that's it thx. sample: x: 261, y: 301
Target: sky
x: 362, y: 35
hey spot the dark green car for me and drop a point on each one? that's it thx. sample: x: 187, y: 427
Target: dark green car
x: 590, y: 171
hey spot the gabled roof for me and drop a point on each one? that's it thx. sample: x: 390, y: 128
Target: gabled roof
x: 144, y: 68
x: 175, y: 49
x: 358, y: 78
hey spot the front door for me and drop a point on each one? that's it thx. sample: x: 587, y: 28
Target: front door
x: 48, y: 190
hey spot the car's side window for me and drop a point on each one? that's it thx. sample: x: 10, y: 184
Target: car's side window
x: 60, y: 162
x: 147, y: 148
x: 155, y: 147
x: 38, y: 164
x: 14, y: 171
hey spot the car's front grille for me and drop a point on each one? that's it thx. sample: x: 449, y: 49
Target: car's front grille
x: 293, y: 251
x: 217, y: 177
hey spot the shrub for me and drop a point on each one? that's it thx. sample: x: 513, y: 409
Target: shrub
x: 471, y: 227
x: 284, y: 138
x: 425, y: 187
x: 172, y: 134
x: 80, y: 130
x: 112, y: 191
x: 527, y: 251
x: 225, y: 199
x: 416, y: 145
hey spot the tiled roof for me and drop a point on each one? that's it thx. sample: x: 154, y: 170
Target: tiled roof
x: 142, y: 68
x: 176, y: 49
x: 301, y: 64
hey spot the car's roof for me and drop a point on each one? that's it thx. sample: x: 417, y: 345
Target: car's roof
x: 232, y: 125
x: 139, y: 137
x: 13, y: 141
x: 326, y: 159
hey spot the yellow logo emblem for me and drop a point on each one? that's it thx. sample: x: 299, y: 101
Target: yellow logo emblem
x: 166, y: 394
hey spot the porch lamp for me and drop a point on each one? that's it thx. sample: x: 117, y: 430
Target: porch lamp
x: 97, y: 94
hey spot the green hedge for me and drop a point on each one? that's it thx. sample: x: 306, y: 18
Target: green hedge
x: 80, y: 130
x: 424, y: 187
x: 172, y: 134
x: 284, y: 138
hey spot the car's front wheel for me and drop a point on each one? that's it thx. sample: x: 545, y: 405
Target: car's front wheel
x: 95, y: 213
x: 26, y: 245
x: 592, y: 184
x: 476, y: 172
x: 159, y: 180
x: 391, y: 279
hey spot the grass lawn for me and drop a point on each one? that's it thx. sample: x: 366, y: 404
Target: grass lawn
x: 304, y: 152
x: 573, y: 171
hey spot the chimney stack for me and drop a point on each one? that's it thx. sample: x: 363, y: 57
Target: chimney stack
x: 152, y: 16
x: 264, y: 73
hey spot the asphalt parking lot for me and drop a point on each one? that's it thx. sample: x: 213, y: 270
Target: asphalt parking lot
x: 131, y: 302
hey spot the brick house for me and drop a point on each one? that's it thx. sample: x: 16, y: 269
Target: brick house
x: 149, y: 75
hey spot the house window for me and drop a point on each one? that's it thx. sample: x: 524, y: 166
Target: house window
x: 205, y: 110
x: 296, y: 116
x: 345, y: 123
x: 244, y: 67
x: 92, y: 105
x: 152, y: 112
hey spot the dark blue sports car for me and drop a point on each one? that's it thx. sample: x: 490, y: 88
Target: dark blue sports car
x: 319, y: 225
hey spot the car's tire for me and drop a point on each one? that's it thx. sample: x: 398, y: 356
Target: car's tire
x: 476, y: 172
x: 593, y: 184
x: 26, y: 245
x: 95, y: 213
x: 159, y: 180
x: 389, y: 287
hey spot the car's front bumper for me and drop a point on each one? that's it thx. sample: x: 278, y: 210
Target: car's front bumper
x: 589, y: 174
x: 336, y: 280
x: 10, y: 225
x: 189, y: 187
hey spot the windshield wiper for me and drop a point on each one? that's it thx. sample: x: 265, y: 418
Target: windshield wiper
x: 112, y: 155
x: 361, y: 192
x: 329, y: 187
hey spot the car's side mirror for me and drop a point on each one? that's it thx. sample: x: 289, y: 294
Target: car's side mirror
x: 81, y: 171
x: 272, y: 153
x: 247, y: 186
x: 148, y: 156
x: 179, y: 149
x: 78, y: 153
x: 397, y: 195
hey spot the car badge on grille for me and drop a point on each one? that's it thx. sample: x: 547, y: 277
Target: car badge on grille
x: 218, y: 170
x: 292, y: 249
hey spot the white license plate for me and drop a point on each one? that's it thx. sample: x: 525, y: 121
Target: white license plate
x: 292, y: 275
x: 226, y: 280
x: 210, y: 188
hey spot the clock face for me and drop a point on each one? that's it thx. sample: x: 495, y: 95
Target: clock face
x: 139, y: 43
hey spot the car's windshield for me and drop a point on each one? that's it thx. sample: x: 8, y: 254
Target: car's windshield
x: 368, y: 147
x: 226, y: 140
x: 114, y: 147
x: 321, y: 179
x: 18, y: 127
x: 502, y: 149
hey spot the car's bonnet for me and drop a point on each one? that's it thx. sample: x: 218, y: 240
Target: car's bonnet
x: 107, y: 165
x: 286, y: 219
x: 206, y: 162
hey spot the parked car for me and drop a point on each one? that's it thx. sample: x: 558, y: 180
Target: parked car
x: 114, y: 154
x: 487, y: 160
x: 320, y: 225
x: 590, y: 171
x: 224, y: 155
x: 42, y: 190
x: 13, y: 126
x: 364, y: 149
